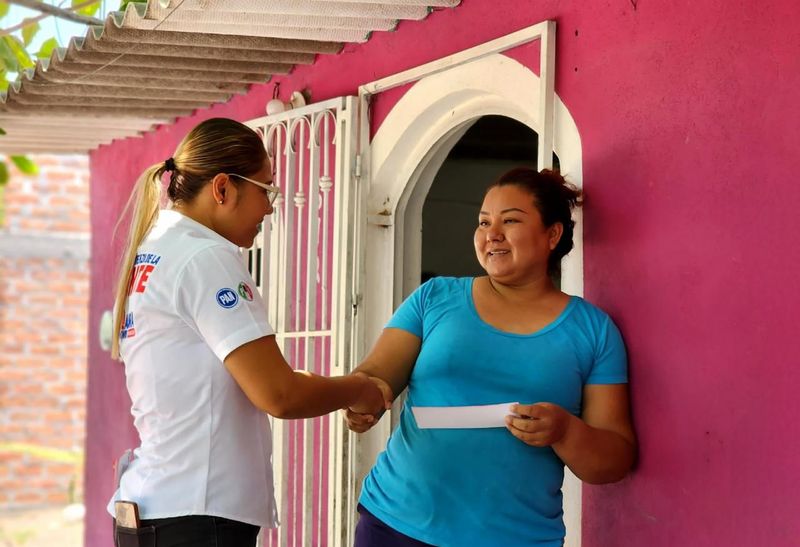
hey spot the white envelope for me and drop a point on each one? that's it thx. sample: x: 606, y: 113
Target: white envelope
x: 459, y: 417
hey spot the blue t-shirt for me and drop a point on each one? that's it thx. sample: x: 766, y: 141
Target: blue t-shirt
x: 484, y: 487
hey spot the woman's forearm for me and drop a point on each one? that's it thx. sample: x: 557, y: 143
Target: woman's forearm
x: 595, y: 456
x: 310, y: 395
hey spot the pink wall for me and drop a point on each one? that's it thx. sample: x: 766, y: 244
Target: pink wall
x: 689, y: 124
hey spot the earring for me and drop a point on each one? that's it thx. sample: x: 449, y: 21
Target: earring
x: 220, y: 202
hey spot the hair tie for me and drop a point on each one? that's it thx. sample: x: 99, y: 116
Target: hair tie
x: 169, y: 165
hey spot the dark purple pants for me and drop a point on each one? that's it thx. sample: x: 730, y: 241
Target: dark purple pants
x: 371, y: 532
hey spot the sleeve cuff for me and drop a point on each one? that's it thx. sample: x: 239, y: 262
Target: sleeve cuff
x: 240, y: 338
x: 596, y: 380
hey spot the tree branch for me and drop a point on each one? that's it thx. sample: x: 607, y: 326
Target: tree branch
x: 60, y: 12
x: 25, y: 22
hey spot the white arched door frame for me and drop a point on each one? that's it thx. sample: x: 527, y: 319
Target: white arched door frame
x: 404, y: 156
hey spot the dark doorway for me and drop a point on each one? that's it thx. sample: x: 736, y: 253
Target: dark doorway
x: 492, y: 146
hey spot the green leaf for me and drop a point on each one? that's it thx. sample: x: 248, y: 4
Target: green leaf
x: 25, y: 165
x: 124, y: 3
x: 2, y: 131
x: 2, y: 203
x: 28, y: 32
x: 47, y: 48
x: 3, y: 74
x: 8, y: 60
x: 15, y: 51
x: 89, y: 10
x: 3, y: 9
x: 3, y: 173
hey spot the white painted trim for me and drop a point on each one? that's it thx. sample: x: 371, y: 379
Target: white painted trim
x: 547, y: 75
x: 405, y: 154
x: 504, y: 43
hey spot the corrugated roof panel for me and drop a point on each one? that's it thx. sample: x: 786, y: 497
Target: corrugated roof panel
x: 84, y: 73
x: 201, y: 18
x: 166, y: 58
x: 134, y: 37
x: 323, y: 33
x: 130, y: 89
x: 217, y: 53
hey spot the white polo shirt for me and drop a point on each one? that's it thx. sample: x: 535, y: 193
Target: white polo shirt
x: 205, y: 449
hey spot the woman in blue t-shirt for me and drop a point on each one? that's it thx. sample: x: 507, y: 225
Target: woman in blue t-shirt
x: 511, y: 335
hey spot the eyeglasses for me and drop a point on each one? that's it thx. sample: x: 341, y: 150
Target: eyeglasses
x: 272, y: 191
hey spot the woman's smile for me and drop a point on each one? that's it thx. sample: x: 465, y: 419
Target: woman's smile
x: 498, y: 252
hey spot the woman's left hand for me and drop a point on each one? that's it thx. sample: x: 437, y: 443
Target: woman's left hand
x: 540, y: 424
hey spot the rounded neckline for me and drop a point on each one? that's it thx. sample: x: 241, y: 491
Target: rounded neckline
x: 544, y: 330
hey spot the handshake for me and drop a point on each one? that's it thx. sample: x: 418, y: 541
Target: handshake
x: 376, y: 397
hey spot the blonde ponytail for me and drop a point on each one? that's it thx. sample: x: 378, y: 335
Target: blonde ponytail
x: 217, y: 145
x: 145, y: 201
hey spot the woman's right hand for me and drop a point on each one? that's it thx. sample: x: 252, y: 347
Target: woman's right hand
x: 360, y: 417
x: 359, y: 423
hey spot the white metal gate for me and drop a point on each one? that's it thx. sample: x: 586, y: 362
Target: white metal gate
x: 305, y: 265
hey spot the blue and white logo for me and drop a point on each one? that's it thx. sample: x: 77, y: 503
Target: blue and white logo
x: 227, y: 298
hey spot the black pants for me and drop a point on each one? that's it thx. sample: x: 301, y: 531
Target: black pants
x: 191, y: 531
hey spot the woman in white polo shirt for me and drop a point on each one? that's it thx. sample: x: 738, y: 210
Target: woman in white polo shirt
x: 201, y: 362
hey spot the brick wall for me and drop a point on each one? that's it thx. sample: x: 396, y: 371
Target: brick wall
x: 44, y: 294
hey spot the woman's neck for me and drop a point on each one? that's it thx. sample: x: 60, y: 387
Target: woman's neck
x: 192, y: 211
x: 532, y: 290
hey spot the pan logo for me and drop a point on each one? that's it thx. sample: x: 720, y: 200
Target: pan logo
x: 227, y: 298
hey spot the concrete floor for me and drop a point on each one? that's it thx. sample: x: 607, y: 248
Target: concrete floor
x: 42, y: 528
